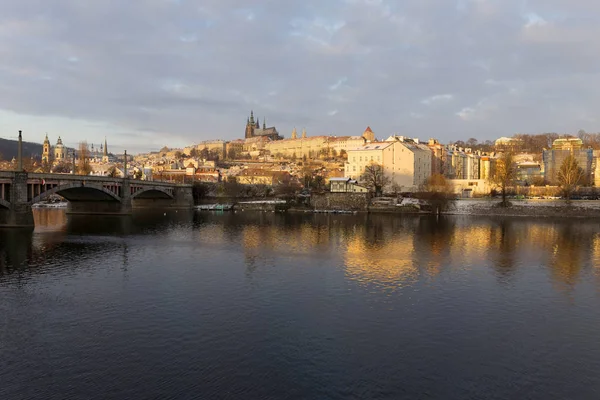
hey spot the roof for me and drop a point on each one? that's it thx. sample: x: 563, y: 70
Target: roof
x: 368, y: 129
x: 343, y: 179
x: 373, y: 146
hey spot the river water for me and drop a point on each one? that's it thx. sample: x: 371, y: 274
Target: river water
x: 281, y: 306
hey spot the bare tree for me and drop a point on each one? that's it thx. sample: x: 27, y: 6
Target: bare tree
x: 83, y: 165
x: 62, y: 168
x: 194, y: 152
x: 46, y: 166
x: 569, y: 176
x: 438, y: 193
x: 374, y: 178
x: 504, y: 174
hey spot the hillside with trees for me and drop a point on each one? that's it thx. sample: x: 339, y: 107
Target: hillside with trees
x: 8, y: 149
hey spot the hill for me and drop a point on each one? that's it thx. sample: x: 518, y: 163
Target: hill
x: 8, y: 149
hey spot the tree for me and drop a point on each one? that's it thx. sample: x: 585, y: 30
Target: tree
x: 138, y: 174
x: 83, y: 165
x: 504, y: 174
x: 374, y: 178
x: 62, y: 168
x: 46, y: 166
x: 232, y: 154
x: 194, y: 152
x: 178, y: 154
x: 204, y: 153
x: 472, y: 142
x: 569, y: 176
x: 112, y: 172
x: 318, y: 183
x: 343, y: 154
x: 438, y: 193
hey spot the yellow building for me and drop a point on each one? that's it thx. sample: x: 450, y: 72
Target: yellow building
x: 405, y: 163
x: 257, y: 176
x: 315, y: 146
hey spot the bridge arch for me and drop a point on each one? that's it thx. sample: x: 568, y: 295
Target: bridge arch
x: 155, y: 192
x: 76, y: 191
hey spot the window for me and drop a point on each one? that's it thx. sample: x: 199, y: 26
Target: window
x: 360, y: 159
x: 354, y: 168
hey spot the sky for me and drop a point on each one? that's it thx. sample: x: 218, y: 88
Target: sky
x: 150, y: 73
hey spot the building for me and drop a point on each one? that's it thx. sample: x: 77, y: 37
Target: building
x: 561, y: 149
x: 529, y: 172
x: 439, y: 157
x: 345, y: 185
x: 46, y: 150
x: 60, y: 152
x: 508, y: 143
x: 315, y: 146
x: 406, y: 163
x: 253, y: 129
x: 216, y: 148
x: 234, y: 148
x: 257, y: 176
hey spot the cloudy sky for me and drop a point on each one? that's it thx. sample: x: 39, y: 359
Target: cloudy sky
x: 149, y: 73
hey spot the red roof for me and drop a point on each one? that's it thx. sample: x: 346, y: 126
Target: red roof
x: 368, y: 129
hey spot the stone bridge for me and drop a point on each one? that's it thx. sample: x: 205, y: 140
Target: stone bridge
x: 86, y: 195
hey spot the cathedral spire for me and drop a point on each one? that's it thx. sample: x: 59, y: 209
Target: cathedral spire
x: 294, y: 134
x: 105, y: 154
x: 264, y: 123
x: 252, y: 117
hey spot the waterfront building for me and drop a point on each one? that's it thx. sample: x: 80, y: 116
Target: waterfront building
x: 529, y: 172
x: 439, y: 157
x: 561, y: 149
x: 405, y: 162
x: 345, y: 185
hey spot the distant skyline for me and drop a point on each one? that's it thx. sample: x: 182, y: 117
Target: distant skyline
x: 151, y: 73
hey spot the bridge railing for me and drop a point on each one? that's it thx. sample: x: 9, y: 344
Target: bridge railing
x: 94, y: 178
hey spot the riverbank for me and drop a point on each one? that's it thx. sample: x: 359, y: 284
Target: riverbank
x: 528, y: 208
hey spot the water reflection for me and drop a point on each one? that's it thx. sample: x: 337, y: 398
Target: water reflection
x: 387, y: 252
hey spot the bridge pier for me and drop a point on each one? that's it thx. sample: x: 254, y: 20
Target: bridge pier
x: 18, y: 214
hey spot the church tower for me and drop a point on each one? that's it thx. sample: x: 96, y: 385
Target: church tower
x: 294, y: 134
x: 105, y: 152
x: 369, y: 135
x: 59, y: 150
x: 303, y: 133
x: 250, y: 126
x: 46, y: 150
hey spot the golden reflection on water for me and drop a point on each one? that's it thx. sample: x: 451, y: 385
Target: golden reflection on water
x: 389, y: 264
x: 47, y: 219
x: 390, y: 252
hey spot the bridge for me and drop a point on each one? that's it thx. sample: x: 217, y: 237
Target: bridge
x: 86, y: 195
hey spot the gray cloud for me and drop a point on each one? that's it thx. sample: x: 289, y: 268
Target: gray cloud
x: 177, y: 71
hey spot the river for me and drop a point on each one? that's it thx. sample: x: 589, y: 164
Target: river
x: 194, y: 305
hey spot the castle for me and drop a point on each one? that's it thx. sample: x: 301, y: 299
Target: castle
x: 253, y: 129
